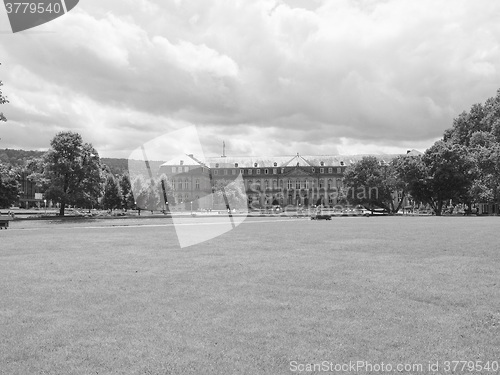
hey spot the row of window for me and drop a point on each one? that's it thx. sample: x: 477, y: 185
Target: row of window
x: 251, y: 171
x: 180, y: 169
x: 297, y: 184
x: 290, y: 184
x: 294, y: 200
x: 184, y: 185
x: 268, y: 171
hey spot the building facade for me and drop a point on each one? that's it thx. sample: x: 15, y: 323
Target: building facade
x: 300, y: 181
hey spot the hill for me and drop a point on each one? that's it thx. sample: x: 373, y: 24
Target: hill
x: 18, y: 158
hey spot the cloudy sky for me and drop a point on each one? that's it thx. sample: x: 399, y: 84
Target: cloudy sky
x: 272, y: 77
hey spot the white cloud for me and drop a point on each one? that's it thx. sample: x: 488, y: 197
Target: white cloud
x: 290, y: 74
x: 196, y: 58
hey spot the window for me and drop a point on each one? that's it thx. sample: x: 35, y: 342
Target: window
x: 216, y: 172
x: 281, y: 184
x: 266, y: 184
x: 197, y: 184
x: 339, y: 170
x: 322, y: 170
x: 330, y: 183
x: 216, y: 165
x: 174, y: 169
x: 186, y: 184
x: 186, y: 169
x: 275, y: 171
x: 275, y: 164
x: 266, y: 171
x: 321, y: 183
x: 241, y: 171
x: 297, y: 184
x: 258, y: 171
x: 275, y: 184
x: 313, y: 169
x: 225, y: 172
x: 258, y: 185
x: 180, y: 184
x: 255, y: 165
x: 330, y: 170
x: 282, y: 170
x: 249, y: 171
x: 236, y: 165
x: 289, y: 184
x: 307, y: 184
x: 322, y: 163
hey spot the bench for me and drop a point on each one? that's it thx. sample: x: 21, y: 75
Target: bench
x: 4, y: 222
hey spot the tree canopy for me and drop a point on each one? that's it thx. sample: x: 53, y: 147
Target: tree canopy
x: 72, y: 170
x: 373, y: 183
x: 9, y: 186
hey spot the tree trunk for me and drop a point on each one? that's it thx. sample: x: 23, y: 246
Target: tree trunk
x: 61, y: 210
x: 439, y: 208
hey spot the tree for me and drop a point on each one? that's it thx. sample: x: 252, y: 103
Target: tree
x: 444, y: 172
x: 72, y: 170
x: 112, y: 196
x: 467, y: 124
x: 127, y: 195
x: 3, y: 100
x: 9, y: 187
x: 485, y: 154
x: 147, y: 193
x: 372, y: 183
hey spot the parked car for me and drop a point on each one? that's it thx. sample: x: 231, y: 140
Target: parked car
x: 321, y: 214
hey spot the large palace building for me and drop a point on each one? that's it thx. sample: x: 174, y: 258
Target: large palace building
x: 300, y: 180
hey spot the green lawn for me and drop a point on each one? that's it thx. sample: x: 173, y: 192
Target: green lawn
x: 94, y: 297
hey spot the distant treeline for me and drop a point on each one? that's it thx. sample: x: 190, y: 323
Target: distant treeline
x: 18, y: 158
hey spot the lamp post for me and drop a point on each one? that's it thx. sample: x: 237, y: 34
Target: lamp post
x: 191, y: 208
x: 45, y: 202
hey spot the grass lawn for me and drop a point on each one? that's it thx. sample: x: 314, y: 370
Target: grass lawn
x: 91, y: 297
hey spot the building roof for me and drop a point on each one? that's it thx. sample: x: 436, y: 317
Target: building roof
x: 281, y: 161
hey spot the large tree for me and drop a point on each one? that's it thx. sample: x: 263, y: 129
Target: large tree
x: 372, y: 182
x: 444, y: 172
x: 485, y: 155
x: 479, y: 130
x: 9, y: 186
x: 72, y: 170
